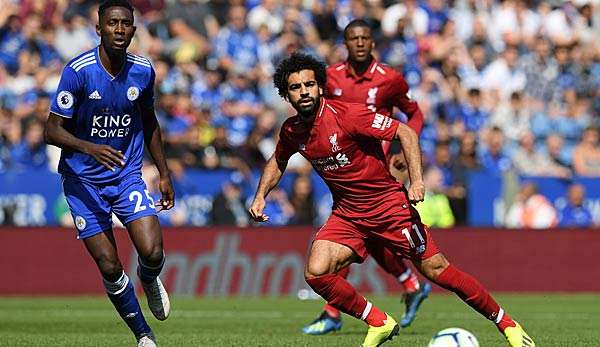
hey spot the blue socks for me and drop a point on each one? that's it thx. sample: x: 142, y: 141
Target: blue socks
x: 148, y: 273
x: 122, y: 295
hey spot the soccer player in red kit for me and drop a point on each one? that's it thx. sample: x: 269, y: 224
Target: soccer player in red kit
x: 342, y: 141
x: 362, y: 79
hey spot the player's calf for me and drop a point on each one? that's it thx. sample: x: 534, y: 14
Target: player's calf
x: 122, y: 295
x: 475, y: 295
x: 158, y: 298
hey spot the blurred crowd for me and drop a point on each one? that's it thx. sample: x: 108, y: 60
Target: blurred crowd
x: 505, y: 86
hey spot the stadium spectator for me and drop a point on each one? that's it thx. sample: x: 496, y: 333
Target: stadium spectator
x: 586, y: 155
x: 530, y: 162
x: 540, y: 70
x: 303, y: 201
x: 531, y: 210
x: 474, y: 116
x: 442, y: 161
x: 493, y: 159
x: 228, y: 206
x: 30, y: 152
x: 12, y: 43
x: 502, y: 77
x: 512, y: 117
x: 574, y: 214
x: 556, y: 151
x: 191, y: 25
x: 435, y: 210
x: 74, y: 36
x: 268, y: 13
x: 236, y: 45
x: 239, y: 107
x: 261, y: 142
x: 464, y: 163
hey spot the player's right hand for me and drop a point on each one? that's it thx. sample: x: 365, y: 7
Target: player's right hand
x: 416, y: 192
x: 256, y: 210
x: 106, y: 155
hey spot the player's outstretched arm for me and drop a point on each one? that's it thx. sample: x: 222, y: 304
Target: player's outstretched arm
x: 153, y: 140
x: 55, y: 134
x: 412, y: 153
x: 270, y: 177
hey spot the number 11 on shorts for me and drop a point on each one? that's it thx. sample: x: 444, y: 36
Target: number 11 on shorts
x: 421, y: 247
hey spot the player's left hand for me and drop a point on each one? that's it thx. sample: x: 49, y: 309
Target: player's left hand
x: 167, y: 200
x: 416, y: 192
x: 256, y: 210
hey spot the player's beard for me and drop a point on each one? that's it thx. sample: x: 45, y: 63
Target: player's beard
x: 308, y: 113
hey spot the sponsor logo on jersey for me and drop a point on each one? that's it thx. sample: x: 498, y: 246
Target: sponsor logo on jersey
x: 342, y: 159
x: 337, y: 91
x: 95, y: 95
x: 381, y: 122
x: 330, y: 163
x: 107, y: 126
x: 65, y: 100
x: 133, y: 93
x: 333, y: 141
x: 80, y: 223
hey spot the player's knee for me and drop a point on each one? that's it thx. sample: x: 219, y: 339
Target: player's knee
x: 434, y: 266
x: 110, y: 268
x: 152, y: 256
x: 316, y: 269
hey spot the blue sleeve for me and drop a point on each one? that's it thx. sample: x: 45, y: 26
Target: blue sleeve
x: 147, y: 95
x: 65, y: 100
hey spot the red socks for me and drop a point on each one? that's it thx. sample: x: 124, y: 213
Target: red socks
x: 474, y: 294
x: 410, y: 281
x: 394, y: 265
x: 342, y: 296
x: 332, y: 311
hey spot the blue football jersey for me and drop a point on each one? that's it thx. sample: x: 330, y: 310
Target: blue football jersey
x: 105, y: 110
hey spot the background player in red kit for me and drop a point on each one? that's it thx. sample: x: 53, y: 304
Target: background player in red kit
x: 343, y: 143
x: 362, y: 79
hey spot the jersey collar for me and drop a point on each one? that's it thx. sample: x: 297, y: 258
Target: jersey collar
x: 368, y: 75
x: 319, y: 116
x: 108, y: 74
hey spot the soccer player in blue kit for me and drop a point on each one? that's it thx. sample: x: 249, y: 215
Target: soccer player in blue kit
x: 101, y: 117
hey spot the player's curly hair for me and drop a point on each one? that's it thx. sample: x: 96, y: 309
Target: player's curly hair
x: 294, y: 63
x: 111, y: 3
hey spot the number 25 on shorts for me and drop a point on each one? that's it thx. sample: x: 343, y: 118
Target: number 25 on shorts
x: 420, y: 247
x: 139, y: 198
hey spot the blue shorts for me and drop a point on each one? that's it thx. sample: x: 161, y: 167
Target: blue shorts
x: 91, y: 205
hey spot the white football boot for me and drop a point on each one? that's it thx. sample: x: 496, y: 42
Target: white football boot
x: 158, y: 299
x: 146, y: 341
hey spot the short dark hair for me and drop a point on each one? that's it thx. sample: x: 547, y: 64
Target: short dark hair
x: 295, y: 63
x: 356, y: 23
x: 112, y: 3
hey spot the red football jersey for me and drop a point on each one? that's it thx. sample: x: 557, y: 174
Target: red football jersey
x: 380, y: 87
x: 344, y: 147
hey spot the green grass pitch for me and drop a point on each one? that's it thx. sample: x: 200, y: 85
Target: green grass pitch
x: 552, y: 320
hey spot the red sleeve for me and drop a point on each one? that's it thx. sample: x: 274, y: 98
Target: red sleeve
x: 285, y: 148
x: 328, y: 90
x: 408, y: 106
x: 361, y: 121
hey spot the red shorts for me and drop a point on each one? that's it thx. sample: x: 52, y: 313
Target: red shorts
x: 399, y: 229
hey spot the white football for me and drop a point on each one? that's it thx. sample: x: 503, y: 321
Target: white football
x: 453, y: 337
